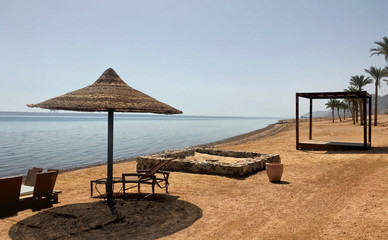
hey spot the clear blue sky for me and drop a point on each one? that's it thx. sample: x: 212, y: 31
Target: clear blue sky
x: 210, y: 57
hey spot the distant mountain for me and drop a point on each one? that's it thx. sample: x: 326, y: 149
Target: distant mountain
x: 382, y: 102
x: 319, y: 114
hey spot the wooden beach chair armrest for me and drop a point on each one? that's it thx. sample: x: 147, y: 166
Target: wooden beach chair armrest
x: 141, y: 176
x: 165, y: 174
x: 132, y: 175
x: 147, y: 170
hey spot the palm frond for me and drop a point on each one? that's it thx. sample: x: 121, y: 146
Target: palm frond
x: 382, y: 49
x: 360, y: 81
x: 377, y: 74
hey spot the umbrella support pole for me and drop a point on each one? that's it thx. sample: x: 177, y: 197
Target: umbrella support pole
x: 109, y: 184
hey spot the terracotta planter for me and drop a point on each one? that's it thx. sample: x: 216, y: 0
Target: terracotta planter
x: 274, y: 171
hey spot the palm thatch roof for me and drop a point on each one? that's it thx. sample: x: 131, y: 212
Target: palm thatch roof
x: 108, y: 92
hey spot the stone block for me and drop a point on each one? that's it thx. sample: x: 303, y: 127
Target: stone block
x: 246, y: 162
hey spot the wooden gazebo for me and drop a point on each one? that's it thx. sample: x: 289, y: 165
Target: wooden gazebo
x: 325, y: 145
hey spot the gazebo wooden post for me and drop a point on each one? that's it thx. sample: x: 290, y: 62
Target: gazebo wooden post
x: 297, y: 121
x: 109, y: 181
x: 370, y: 121
x: 365, y: 124
x: 311, y: 120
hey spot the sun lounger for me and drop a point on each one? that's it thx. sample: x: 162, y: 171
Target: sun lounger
x: 44, y: 187
x: 31, y: 176
x: 55, y: 180
x: 153, y: 176
x: 10, y: 189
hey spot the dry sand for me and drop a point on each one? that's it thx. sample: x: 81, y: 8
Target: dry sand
x: 324, y: 195
x: 202, y: 157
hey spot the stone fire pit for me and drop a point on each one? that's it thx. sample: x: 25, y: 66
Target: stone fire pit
x: 210, y: 161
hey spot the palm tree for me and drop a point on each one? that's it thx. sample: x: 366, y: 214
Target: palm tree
x: 338, y: 106
x: 381, y: 49
x: 354, y: 107
x: 331, y: 104
x: 360, y: 82
x: 386, y: 73
x: 334, y: 103
x: 377, y: 74
x: 344, y: 106
x: 350, y: 107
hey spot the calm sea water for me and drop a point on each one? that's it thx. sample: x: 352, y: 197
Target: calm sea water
x: 70, y: 140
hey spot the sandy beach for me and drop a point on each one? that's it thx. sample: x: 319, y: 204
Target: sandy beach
x: 324, y: 195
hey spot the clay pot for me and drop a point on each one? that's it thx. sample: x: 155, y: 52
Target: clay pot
x: 274, y: 171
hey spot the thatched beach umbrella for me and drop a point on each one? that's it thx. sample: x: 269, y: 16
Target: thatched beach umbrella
x: 109, y: 93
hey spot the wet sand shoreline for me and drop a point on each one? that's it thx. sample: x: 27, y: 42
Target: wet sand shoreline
x: 250, y: 136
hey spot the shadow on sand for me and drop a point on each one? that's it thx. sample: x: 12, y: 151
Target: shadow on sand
x: 34, y: 205
x: 374, y: 150
x: 281, y: 182
x: 131, y: 218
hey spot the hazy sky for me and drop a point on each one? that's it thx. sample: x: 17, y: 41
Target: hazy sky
x: 210, y: 57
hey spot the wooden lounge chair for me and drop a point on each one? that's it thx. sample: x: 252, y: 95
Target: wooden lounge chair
x: 44, y: 187
x: 10, y: 190
x: 55, y: 180
x: 31, y: 176
x: 153, y: 176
